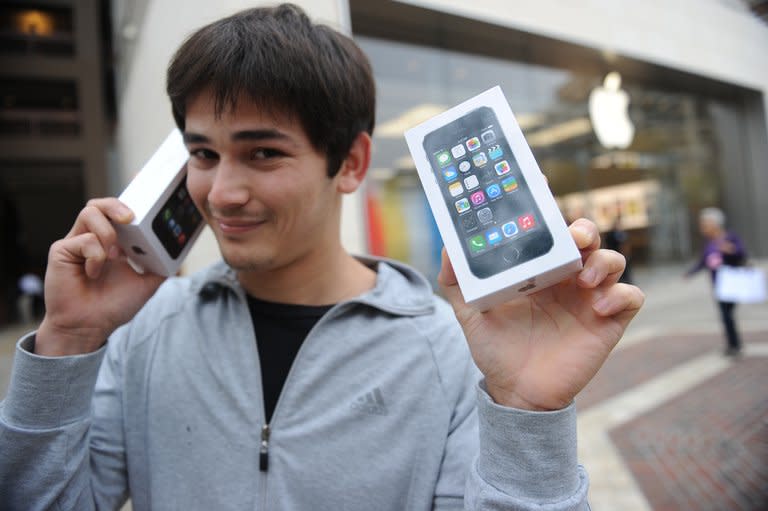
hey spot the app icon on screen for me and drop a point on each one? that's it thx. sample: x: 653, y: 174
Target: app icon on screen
x: 469, y: 222
x: 509, y: 184
x: 455, y: 189
x: 493, y: 191
x: 488, y: 136
x: 462, y: 205
x: 477, y: 243
x: 485, y: 215
x: 464, y: 166
x: 458, y: 151
x: 471, y: 182
x: 486, y: 174
x: 527, y: 222
x: 443, y: 158
x: 495, y: 152
x: 502, y: 167
x: 449, y: 173
x: 477, y: 198
x: 479, y: 159
x: 473, y: 144
x: 493, y: 235
x: 509, y: 229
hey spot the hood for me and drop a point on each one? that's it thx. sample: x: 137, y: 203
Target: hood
x: 400, y: 289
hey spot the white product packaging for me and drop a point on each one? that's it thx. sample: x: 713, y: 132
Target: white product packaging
x: 166, y: 221
x: 500, y: 224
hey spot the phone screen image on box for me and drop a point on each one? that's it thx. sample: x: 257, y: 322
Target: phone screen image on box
x: 177, y: 220
x: 493, y: 210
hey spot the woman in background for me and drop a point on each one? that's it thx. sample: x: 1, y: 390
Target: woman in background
x: 722, y: 248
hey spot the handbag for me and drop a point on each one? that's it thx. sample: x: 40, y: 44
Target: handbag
x: 740, y: 284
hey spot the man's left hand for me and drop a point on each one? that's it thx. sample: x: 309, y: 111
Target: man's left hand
x: 537, y: 352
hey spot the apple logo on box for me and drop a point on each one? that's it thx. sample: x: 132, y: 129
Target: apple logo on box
x: 608, y: 111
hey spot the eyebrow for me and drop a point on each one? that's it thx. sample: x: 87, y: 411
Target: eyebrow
x: 238, y: 136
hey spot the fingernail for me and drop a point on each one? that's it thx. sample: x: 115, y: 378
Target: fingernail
x: 588, y: 276
x: 125, y: 213
x: 113, y: 252
x: 602, y: 305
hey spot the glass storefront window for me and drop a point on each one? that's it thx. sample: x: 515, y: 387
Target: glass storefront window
x: 655, y: 186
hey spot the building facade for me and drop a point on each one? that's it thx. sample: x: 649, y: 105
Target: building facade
x: 697, y: 100
x: 693, y: 72
x: 56, y: 114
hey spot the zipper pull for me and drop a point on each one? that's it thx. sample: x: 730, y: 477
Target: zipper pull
x: 264, y: 452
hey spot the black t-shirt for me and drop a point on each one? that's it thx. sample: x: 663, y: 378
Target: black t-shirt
x: 280, y: 330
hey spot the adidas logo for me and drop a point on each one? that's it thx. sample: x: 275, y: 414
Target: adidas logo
x: 372, y: 402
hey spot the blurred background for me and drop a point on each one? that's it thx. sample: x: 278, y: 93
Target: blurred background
x: 679, y: 125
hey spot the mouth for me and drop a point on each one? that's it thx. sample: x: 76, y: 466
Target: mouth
x: 237, y: 225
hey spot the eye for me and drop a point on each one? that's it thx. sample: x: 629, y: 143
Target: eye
x: 203, y: 154
x: 264, y: 153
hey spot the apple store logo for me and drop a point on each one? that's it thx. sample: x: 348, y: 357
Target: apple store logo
x: 608, y: 111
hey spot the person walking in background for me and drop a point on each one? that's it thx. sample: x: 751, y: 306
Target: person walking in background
x: 722, y: 248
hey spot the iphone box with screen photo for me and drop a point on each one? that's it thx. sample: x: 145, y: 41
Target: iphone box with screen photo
x: 500, y: 224
x: 166, y: 221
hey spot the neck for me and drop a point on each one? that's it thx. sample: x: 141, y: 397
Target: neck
x: 324, y: 277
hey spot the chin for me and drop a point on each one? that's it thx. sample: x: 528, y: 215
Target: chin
x: 240, y: 261
x: 248, y: 264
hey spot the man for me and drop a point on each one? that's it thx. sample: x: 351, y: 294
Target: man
x: 294, y: 376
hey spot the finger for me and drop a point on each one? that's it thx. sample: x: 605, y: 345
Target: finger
x: 91, y: 219
x: 449, y: 285
x: 586, y: 236
x: 85, y: 250
x: 620, y: 299
x: 108, y: 207
x: 602, y: 267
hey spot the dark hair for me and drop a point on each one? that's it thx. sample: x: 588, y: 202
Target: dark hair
x: 285, y: 64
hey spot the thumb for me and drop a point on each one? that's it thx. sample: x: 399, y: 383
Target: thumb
x: 448, y: 283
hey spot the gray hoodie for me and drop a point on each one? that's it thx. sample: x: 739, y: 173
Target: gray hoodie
x: 379, y: 412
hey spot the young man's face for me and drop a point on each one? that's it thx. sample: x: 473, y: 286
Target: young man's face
x: 260, y: 184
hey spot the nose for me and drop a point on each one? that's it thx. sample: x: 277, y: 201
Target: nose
x: 229, y: 188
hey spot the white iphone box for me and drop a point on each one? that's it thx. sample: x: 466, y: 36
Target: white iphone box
x: 500, y: 224
x: 166, y: 221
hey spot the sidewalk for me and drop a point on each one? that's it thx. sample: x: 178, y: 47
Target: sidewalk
x: 669, y: 423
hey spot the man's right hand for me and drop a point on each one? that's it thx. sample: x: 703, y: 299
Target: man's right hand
x: 90, y: 289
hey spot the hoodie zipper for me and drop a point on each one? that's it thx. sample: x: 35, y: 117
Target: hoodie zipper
x: 265, y: 429
x: 264, y: 451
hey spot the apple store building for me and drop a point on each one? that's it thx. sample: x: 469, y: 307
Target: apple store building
x: 624, y: 141
x: 639, y: 113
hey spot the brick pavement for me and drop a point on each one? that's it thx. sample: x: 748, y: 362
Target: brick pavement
x: 704, y: 449
x: 707, y: 449
x: 626, y: 368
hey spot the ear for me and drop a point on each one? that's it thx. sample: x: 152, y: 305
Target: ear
x: 355, y: 166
